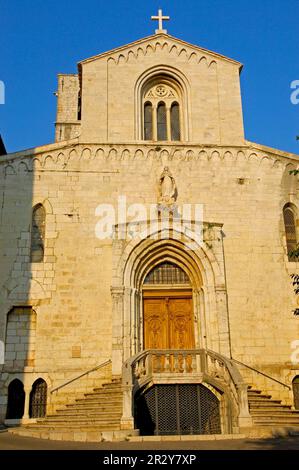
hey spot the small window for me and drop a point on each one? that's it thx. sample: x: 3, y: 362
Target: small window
x: 38, y: 234
x: 175, y: 122
x: 290, y: 230
x: 161, y: 122
x: 79, y: 106
x: 162, y: 104
x: 148, y: 121
x: 167, y: 273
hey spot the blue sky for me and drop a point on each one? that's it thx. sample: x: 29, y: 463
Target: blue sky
x: 40, y: 38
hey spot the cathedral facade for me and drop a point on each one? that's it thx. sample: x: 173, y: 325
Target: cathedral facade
x: 146, y: 253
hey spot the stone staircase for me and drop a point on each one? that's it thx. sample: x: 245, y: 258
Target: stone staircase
x: 94, y: 418
x: 270, y: 416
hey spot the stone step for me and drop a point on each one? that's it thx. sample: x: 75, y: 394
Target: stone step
x: 89, y: 409
x: 83, y: 427
x: 276, y: 419
x: 95, y: 402
x: 263, y: 400
x: 75, y: 435
x: 115, y: 414
x: 263, y: 395
x: 102, y: 391
x: 269, y: 406
x: 274, y: 412
x: 268, y: 410
x: 87, y: 425
x: 109, y: 387
x: 91, y: 417
x: 111, y: 397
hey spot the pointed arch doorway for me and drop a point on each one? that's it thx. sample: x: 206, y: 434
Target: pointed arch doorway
x: 168, y: 319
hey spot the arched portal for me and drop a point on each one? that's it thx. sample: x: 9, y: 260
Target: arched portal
x: 38, y: 399
x: 168, y: 319
x: 135, y: 259
x: 170, y: 409
x: 16, y: 400
x: 295, y: 385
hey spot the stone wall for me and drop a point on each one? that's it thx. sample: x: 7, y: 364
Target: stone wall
x: 243, y: 188
x: 112, y: 89
x: 67, y: 124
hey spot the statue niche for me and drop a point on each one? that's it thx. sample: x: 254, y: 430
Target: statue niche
x: 167, y: 191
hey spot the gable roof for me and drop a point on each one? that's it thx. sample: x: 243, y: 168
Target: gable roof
x: 160, y: 36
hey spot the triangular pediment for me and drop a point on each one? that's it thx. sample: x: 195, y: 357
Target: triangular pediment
x: 160, y: 41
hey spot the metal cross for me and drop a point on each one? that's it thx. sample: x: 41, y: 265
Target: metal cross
x: 160, y: 18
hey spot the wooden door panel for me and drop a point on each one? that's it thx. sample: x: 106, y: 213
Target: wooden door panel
x: 168, y: 323
x: 181, y: 331
x: 155, y: 324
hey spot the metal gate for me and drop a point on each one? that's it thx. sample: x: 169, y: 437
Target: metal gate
x: 296, y: 392
x: 38, y: 399
x: 177, y: 409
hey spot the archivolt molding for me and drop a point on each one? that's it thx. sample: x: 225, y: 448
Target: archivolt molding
x: 169, y: 47
x: 93, y: 157
x: 171, y: 243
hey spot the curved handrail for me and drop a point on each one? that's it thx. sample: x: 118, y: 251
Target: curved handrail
x: 103, y: 364
x: 138, y: 368
x: 232, y: 369
x: 262, y: 373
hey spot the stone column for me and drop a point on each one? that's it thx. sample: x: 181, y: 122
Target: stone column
x: 245, y: 419
x: 168, y: 123
x: 154, y: 123
x: 224, y: 333
x: 27, y: 391
x: 128, y: 323
x: 117, y: 329
x: 127, y: 419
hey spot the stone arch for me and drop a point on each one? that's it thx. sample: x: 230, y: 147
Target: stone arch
x: 15, y: 399
x: 290, y: 226
x: 136, y: 259
x: 177, y: 79
x: 22, y: 167
x: 38, y: 399
x: 9, y: 170
x: 27, y: 289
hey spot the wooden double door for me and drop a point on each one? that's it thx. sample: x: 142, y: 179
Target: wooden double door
x: 168, y: 320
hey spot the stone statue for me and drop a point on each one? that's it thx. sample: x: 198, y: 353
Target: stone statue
x: 167, y: 188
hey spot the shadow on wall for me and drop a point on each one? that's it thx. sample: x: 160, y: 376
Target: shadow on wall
x: 23, y: 393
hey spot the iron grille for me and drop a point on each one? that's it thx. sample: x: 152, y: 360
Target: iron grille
x: 177, y: 409
x: 38, y: 399
x: 167, y: 273
x: 296, y: 392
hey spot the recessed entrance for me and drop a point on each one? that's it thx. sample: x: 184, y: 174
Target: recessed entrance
x: 177, y: 409
x: 168, y: 320
x: 167, y: 309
